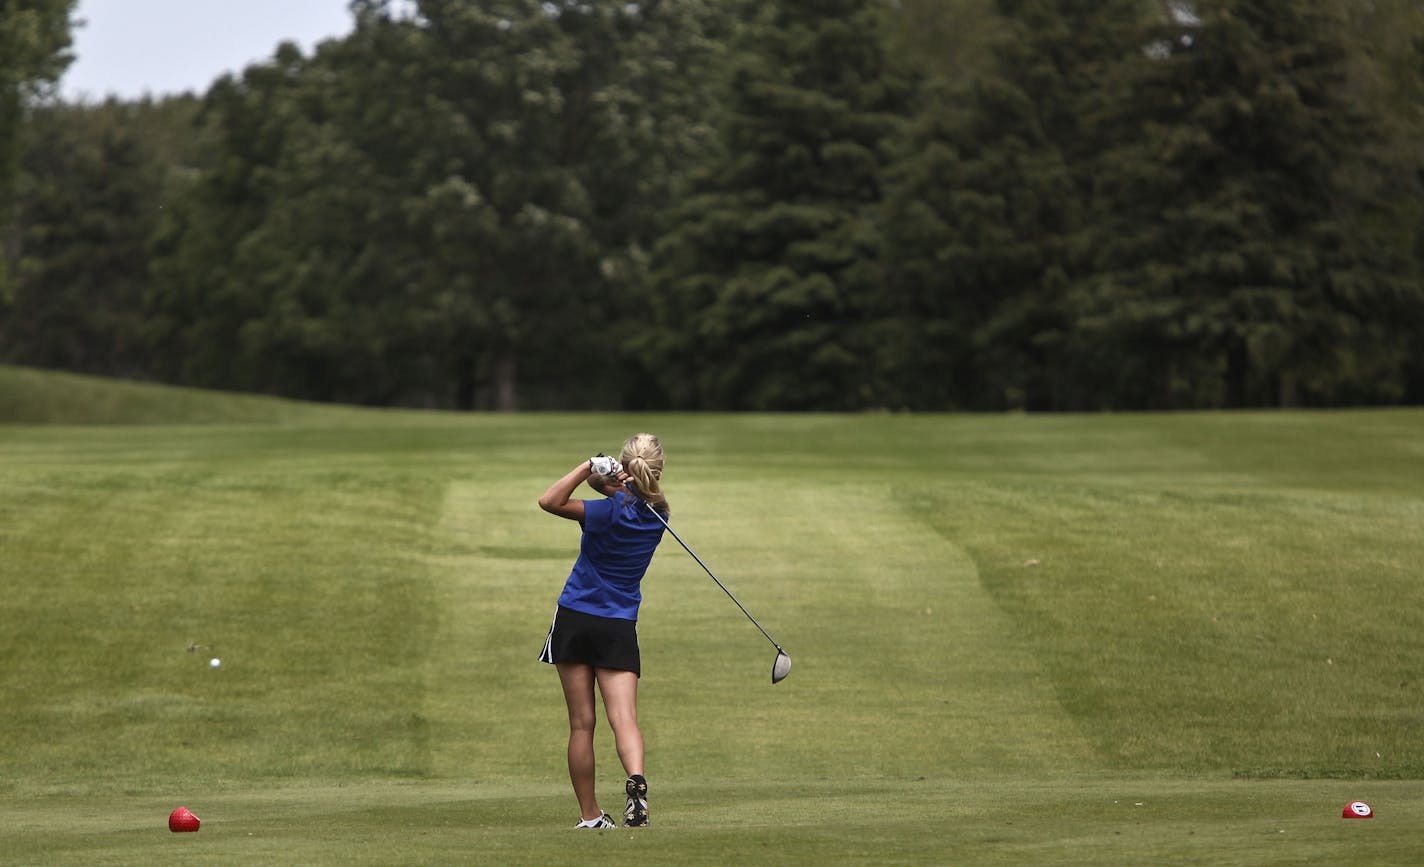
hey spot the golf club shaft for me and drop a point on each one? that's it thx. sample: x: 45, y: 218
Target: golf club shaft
x: 709, y: 572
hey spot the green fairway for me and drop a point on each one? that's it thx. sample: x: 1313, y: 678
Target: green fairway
x: 1017, y: 639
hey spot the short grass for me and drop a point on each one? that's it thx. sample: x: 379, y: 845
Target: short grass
x: 1017, y: 639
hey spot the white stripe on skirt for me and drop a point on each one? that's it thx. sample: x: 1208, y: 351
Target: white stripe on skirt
x: 548, y: 653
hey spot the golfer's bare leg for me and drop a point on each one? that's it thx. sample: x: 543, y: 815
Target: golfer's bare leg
x: 620, y: 701
x: 578, y: 680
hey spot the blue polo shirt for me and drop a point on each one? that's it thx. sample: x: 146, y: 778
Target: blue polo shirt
x: 620, y: 535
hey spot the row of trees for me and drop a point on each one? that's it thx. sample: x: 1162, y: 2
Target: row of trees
x: 799, y: 204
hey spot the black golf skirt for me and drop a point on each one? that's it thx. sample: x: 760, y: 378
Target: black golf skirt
x: 603, y: 642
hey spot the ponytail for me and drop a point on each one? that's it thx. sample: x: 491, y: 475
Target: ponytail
x: 642, y: 458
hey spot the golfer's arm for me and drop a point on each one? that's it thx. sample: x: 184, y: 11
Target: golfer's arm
x: 556, y: 500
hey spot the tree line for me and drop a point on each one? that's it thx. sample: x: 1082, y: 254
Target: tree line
x: 711, y: 205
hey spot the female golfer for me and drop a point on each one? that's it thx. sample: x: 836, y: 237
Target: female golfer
x: 594, y: 637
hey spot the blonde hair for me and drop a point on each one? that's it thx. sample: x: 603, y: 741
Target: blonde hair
x: 642, y: 457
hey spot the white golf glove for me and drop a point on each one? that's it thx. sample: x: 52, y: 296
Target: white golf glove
x: 602, y: 465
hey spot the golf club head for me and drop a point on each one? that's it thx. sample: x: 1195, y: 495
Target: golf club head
x: 781, y: 667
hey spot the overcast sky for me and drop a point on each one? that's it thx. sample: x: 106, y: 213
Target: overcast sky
x: 129, y: 48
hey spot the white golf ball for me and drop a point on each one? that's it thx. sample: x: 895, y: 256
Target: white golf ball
x: 215, y: 662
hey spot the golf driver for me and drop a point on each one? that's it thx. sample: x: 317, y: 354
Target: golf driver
x: 782, y: 666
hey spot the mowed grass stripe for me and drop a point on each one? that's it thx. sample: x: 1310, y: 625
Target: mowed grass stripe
x: 904, y: 667
x: 498, y: 564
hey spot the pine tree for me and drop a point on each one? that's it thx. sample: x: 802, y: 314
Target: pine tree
x: 1242, y: 261
x: 767, y: 272
x: 988, y: 210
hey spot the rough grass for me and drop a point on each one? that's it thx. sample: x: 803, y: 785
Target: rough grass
x: 1082, y: 639
x: 31, y: 396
